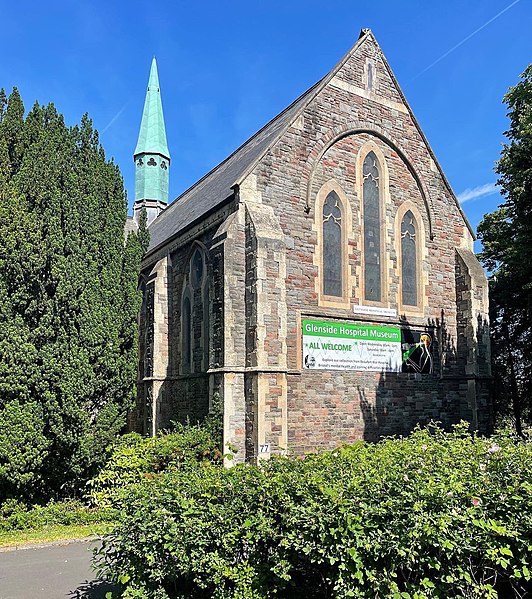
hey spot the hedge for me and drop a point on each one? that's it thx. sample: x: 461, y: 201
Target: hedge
x: 136, y: 458
x: 433, y: 515
x: 15, y: 515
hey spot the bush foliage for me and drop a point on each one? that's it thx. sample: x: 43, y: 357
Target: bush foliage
x: 68, y: 303
x: 136, y: 458
x: 15, y: 515
x: 434, y: 515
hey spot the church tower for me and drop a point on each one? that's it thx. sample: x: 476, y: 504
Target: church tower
x: 152, y: 158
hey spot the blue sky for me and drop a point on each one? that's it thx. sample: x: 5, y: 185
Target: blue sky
x: 226, y: 68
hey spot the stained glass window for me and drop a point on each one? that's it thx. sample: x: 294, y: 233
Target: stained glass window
x: 196, y: 269
x: 186, y: 334
x: 195, y: 315
x: 332, y: 246
x: 372, y: 233
x: 409, y: 259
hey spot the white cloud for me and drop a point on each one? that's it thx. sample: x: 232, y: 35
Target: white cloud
x: 477, y: 192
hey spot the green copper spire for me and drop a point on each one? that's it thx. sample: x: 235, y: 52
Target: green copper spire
x: 152, y: 158
x: 152, y: 135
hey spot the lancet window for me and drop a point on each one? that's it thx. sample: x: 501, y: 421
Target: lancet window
x: 195, y: 315
x: 409, y: 241
x: 372, y: 228
x: 332, y: 254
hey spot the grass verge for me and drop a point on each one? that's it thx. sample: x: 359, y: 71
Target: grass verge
x: 51, y: 533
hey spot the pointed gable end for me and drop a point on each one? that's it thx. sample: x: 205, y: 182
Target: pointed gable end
x: 364, y: 76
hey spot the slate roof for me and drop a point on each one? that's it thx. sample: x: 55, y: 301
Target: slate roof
x: 217, y: 185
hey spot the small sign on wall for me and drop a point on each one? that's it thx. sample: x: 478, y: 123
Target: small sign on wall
x: 265, y: 448
x: 375, y: 311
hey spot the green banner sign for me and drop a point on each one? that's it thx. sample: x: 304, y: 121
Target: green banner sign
x: 346, y: 330
x: 351, y: 346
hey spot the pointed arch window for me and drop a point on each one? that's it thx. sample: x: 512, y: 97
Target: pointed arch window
x: 332, y: 256
x: 409, y: 267
x: 186, y: 334
x: 195, y: 314
x: 372, y: 228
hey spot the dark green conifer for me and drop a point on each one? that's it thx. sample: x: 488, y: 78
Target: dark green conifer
x: 68, y: 301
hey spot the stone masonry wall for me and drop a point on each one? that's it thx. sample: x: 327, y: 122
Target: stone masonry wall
x: 322, y: 146
x: 184, y: 394
x: 264, y: 264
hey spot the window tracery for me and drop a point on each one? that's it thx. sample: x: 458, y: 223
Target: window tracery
x: 372, y: 234
x: 332, y: 246
x: 196, y: 269
x: 409, y: 259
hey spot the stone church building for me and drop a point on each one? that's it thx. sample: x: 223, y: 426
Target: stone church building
x: 320, y: 281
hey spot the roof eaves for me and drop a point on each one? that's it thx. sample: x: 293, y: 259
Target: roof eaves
x: 190, y: 225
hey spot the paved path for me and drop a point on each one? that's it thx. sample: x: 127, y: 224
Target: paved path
x: 52, y: 572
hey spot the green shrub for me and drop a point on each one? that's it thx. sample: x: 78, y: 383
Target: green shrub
x: 24, y: 449
x: 432, y: 515
x: 136, y: 458
x: 15, y: 515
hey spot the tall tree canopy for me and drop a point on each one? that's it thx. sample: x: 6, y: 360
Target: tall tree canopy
x: 68, y: 301
x: 507, y: 238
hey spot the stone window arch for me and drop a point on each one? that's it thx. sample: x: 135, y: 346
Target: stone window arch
x: 410, y: 244
x: 195, y: 307
x: 333, y: 224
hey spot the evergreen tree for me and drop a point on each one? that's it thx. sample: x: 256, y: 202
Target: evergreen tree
x: 68, y: 302
x: 507, y: 238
